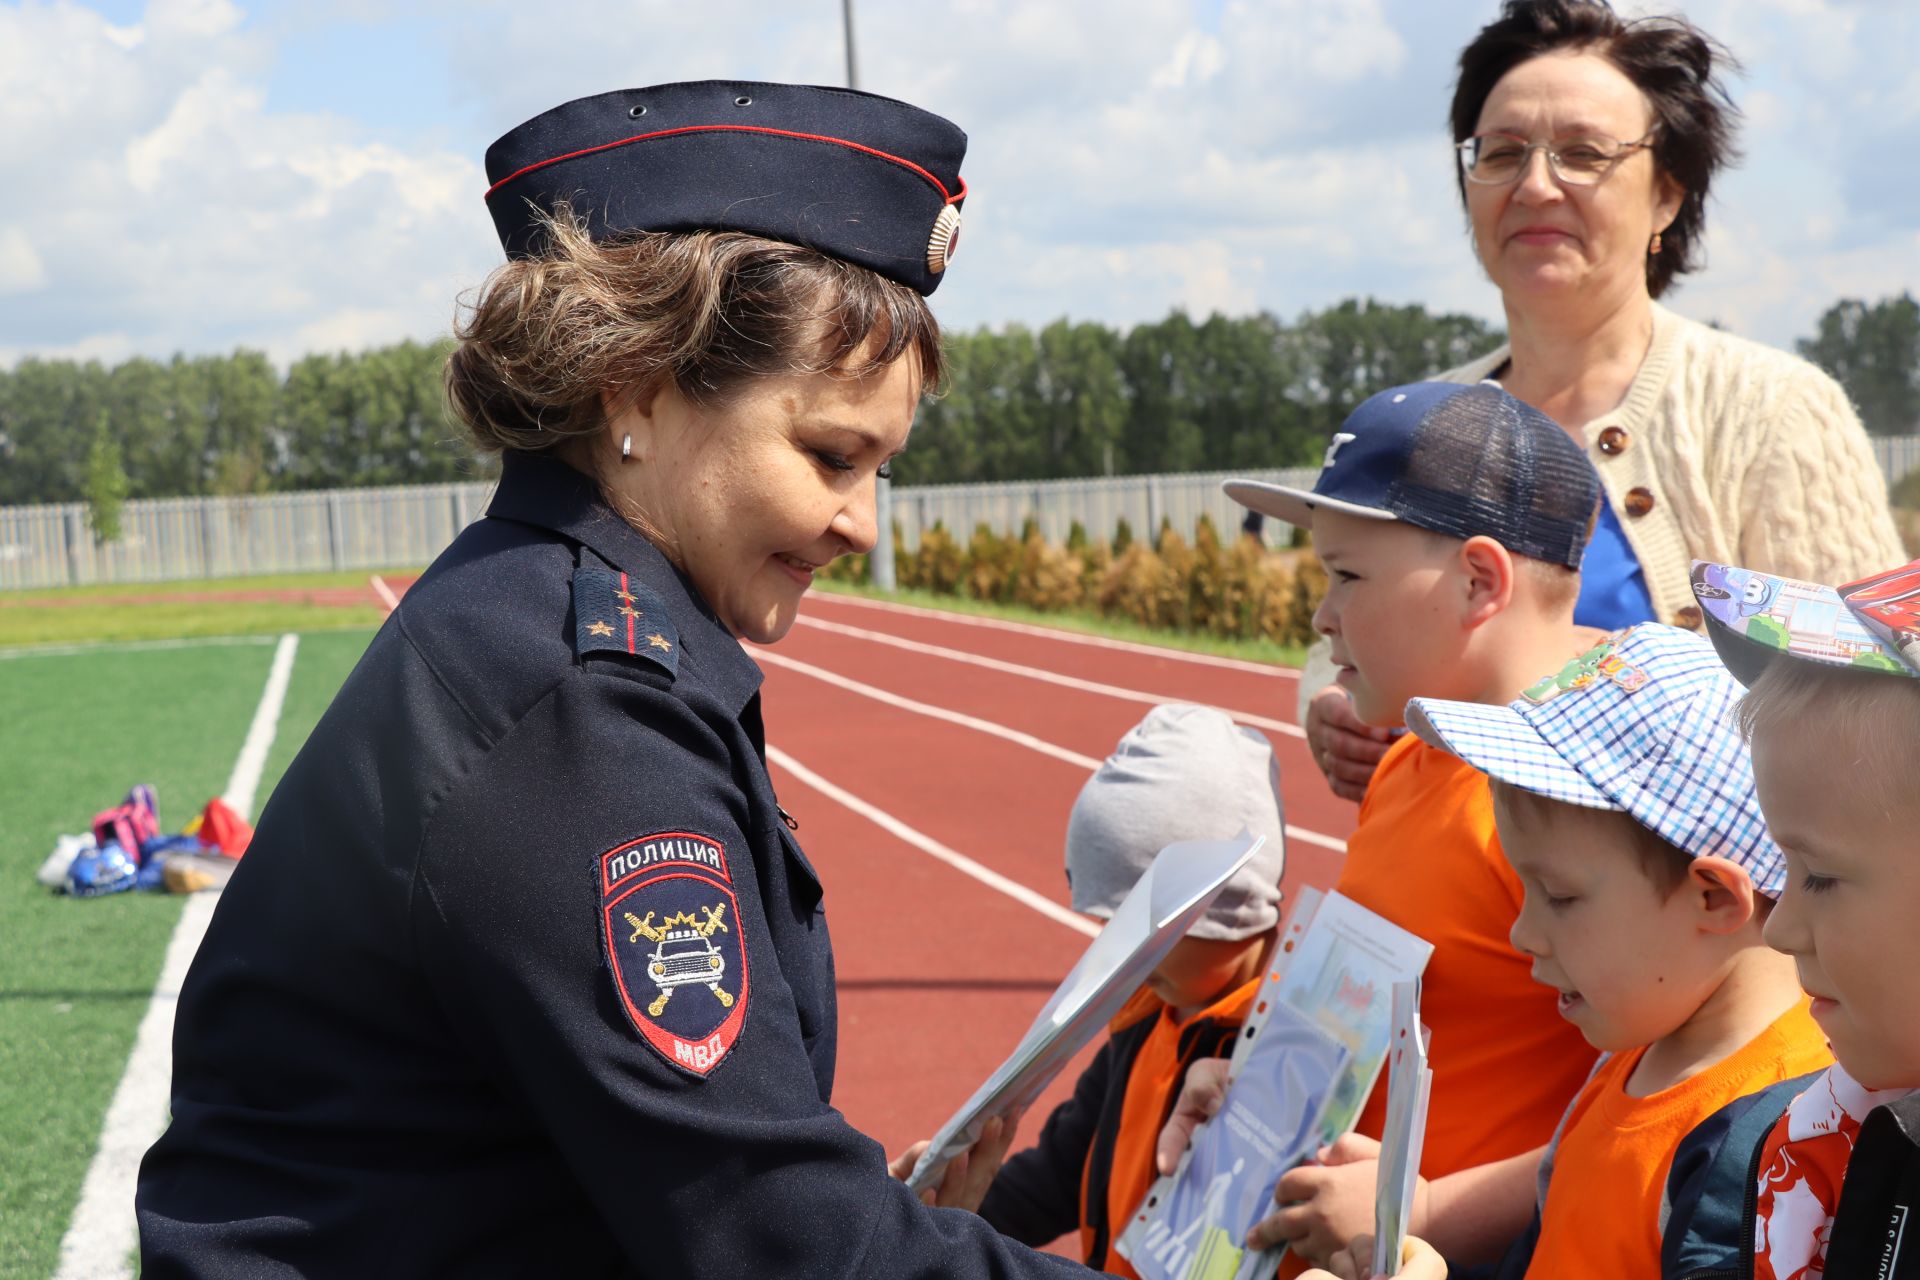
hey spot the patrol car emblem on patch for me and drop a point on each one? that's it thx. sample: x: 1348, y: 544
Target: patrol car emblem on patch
x: 672, y: 931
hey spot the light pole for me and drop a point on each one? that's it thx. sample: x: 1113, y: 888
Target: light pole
x: 880, y: 562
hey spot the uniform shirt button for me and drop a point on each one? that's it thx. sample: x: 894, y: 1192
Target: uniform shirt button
x: 1614, y: 440
x: 1639, y: 501
x: 1688, y: 617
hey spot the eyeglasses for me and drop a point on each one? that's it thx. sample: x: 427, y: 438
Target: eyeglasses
x: 1495, y: 159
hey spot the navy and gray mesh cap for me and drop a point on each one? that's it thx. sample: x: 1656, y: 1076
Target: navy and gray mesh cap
x: 1464, y: 459
x: 864, y: 178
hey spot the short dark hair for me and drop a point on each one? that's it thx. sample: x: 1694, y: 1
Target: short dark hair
x: 1671, y: 61
x: 1665, y: 865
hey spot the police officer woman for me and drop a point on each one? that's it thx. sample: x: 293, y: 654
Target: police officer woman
x: 524, y: 972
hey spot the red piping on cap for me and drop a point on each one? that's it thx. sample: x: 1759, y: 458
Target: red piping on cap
x: 737, y: 128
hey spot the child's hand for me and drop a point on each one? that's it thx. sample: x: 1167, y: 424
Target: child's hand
x: 964, y: 1183
x: 1201, y: 1094
x: 1325, y: 1204
x: 1346, y: 748
x: 1418, y: 1261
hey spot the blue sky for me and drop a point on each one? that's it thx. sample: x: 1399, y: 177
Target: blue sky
x: 306, y: 176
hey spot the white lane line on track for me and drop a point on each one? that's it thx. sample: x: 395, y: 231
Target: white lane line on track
x: 103, y: 1232
x: 1068, y: 637
x: 1050, y: 677
x: 933, y: 848
x: 989, y: 727
x: 385, y: 592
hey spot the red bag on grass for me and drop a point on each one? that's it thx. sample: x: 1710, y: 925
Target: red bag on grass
x: 223, y: 829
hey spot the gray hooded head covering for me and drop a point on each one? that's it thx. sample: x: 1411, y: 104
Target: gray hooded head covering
x: 1183, y: 773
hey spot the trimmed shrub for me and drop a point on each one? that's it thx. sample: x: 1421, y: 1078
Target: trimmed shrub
x: 939, y: 564
x: 1049, y: 578
x: 992, y: 564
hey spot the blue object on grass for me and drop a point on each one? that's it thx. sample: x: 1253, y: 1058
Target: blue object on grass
x: 98, y: 872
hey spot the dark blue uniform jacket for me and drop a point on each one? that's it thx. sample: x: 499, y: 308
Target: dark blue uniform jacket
x: 523, y: 973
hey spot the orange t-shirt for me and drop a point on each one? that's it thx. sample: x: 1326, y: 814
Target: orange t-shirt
x: 1505, y: 1063
x: 1602, y: 1213
x: 1153, y: 1085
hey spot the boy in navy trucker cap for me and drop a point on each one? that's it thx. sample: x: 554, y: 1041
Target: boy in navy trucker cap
x: 1451, y: 520
x: 1626, y: 805
x: 1822, y: 1176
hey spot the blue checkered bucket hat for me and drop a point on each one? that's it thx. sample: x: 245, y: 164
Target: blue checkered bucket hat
x: 1642, y: 723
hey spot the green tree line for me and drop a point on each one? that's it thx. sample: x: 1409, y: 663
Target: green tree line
x: 1069, y: 399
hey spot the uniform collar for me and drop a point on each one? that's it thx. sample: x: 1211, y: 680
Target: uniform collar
x: 540, y: 490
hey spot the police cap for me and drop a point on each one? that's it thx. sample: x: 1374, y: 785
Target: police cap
x: 861, y: 177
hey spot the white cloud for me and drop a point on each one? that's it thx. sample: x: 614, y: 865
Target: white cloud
x: 179, y: 212
x: 21, y: 270
x: 1126, y: 158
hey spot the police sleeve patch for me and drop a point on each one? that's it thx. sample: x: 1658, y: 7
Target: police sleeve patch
x: 612, y: 613
x: 671, y: 926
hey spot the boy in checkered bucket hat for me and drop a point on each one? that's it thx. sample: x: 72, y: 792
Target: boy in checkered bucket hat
x: 1625, y: 801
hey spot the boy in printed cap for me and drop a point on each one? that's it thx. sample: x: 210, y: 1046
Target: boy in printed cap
x: 1625, y: 802
x: 1183, y: 773
x: 1451, y: 520
x: 1822, y: 1176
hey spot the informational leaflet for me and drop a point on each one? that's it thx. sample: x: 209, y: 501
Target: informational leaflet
x: 1179, y: 885
x: 1409, y: 1085
x: 1306, y: 1062
x: 1890, y: 604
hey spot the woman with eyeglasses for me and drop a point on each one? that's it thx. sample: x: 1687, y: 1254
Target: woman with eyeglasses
x: 1587, y: 146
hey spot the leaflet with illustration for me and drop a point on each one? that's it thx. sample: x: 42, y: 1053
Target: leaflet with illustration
x: 1179, y: 885
x: 1409, y: 1085
x: 1305, y: 1064
x: 1890, y: 604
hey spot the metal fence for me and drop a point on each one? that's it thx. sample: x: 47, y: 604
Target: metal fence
x: 172, y: 538
x: 169, y: 538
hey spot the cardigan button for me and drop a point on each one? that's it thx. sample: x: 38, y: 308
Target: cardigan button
x: 1639, y: 501
x: 1614, y: 441
x: 1688, y: 617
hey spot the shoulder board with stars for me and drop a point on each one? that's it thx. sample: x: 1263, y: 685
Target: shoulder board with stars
x: 613, y: 614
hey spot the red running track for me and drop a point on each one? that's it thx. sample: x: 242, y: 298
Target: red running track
x: 940, y: 973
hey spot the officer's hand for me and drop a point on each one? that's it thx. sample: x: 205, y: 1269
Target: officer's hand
x: 1346, y: 748
x: 964, y: 1183
x: 1325, y: 1204
x: 1201, y: 1094
x: 1418, y: 1261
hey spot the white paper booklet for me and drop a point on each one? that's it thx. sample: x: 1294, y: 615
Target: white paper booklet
x: 1302, y: 1070
x: 1409, y: 1085
x: 1179, y: 885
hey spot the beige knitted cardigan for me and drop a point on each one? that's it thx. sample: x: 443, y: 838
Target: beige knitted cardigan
x: 1750, y: 456
x: 1747, y: 455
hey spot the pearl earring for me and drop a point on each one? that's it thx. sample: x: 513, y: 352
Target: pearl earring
x: 626, y: 446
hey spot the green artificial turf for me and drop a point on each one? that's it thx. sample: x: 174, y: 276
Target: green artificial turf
x: 75, y: 975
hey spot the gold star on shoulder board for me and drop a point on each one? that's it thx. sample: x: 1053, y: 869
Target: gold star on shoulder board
x: 628, y: 611
x: 660, y: 642
x: 599, y: 629
x: 628, y: 596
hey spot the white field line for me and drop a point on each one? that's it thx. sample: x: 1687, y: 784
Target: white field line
x: 989, y: 727
x: 130, y: 646
x: 1049, y: 677
x: 385, y: 592
x: 933, y: 848
x: 1065, y: 636
x: 103, y: 1232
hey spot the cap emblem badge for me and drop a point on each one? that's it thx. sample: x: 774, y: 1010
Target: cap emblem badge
x: 944, y: 240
